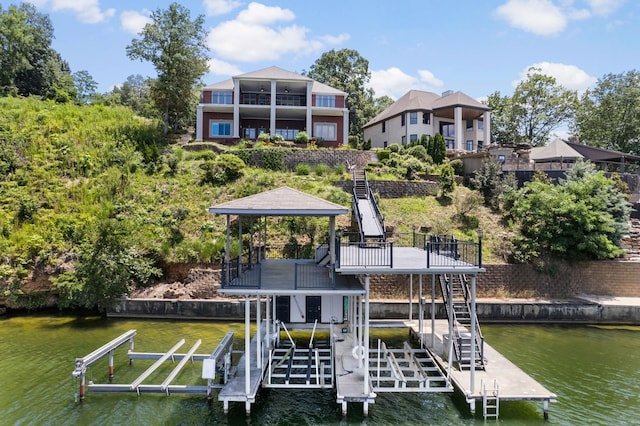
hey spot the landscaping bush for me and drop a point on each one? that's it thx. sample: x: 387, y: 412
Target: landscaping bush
x: 303, y: 169
x: 457, y: 165
x: 394, y: 147
x: 384, y: 154
x: 302, y: 138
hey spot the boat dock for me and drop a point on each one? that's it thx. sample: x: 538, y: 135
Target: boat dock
x: 500, y: 380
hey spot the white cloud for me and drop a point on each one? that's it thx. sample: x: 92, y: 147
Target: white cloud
x: 220, y: 7
x: 568, y: 76
x: 604, y: 7
x: 394, y: 82
x: 544, y: 17
x: 87, y: 11
x: 259, y: 14
x: 218, y: 67
x: 133, y: 21
x: 540, y: 17
x: 428, y: 77
x: 260, y: 33
x: 335, y: 40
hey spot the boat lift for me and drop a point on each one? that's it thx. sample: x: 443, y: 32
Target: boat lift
x: 218, y: 360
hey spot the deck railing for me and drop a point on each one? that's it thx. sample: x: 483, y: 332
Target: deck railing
x: 309, y: 275
x: 374, y: 253
x: 238, y: 274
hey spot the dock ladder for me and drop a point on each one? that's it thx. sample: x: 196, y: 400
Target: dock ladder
x: 490, y: 401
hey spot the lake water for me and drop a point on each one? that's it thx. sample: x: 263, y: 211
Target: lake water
x: 594, y: 371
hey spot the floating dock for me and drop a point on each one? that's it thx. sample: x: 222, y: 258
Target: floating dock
x: 500, y: 380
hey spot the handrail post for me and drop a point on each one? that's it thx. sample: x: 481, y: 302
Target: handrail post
x: 428, y: 254
x: 391, y: 253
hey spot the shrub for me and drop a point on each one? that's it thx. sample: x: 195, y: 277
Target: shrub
x: 384, y: 154
x: 321, y: 169
x: 303, y: 169
x: 302, y: 138
x: 277, y: 138
x: 457, y: 165
x: 418, y: 151
x: 225, y: 168
x: 366, y: 145
x: 447, y: 180
x: 264, y: 137
x: 354, y: 141
x: 394, y: 147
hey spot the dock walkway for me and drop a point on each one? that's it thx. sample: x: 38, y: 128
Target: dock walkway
x: 235, y: 389
x: 350, y: 376
x: 513, y: 384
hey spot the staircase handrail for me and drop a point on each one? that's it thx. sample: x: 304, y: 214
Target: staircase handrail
x: 356, y: 211
x: 479, y: 336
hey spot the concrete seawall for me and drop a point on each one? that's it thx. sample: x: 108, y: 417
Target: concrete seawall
x: 594, y: 309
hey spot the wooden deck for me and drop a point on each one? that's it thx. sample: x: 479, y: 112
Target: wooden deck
x: 513, y: 384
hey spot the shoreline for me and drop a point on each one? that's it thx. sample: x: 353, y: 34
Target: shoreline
x: 585, y: 309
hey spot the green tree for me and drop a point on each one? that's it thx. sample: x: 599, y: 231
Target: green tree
x: 583, y: 217
x: 28, y: 64
x: 447, y: 180
x: 438, y: 148
x: 608, y: 115
x: 106, y: 268
x: 538, y: 106
x: 348, y: 71
x: 487, y: 180
x: 85, y: 86
x: 176, y: 46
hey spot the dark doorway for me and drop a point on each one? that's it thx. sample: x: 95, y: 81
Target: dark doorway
x: 314, y: 304
x: 283, y: 308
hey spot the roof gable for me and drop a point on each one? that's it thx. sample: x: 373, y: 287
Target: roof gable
x: 283, y: 201
x: 273, y: 72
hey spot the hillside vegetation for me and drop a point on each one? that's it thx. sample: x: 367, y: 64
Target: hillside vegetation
x: 96, y: 197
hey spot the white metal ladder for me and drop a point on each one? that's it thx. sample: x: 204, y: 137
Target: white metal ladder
x: 490, y: 401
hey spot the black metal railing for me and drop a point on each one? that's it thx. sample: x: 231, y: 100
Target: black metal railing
x: 309, y: 275
x: 238, y: 274
x: 451, y: 252
x: 372, y: 253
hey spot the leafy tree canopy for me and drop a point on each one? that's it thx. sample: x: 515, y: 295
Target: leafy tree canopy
x: 28, y: 64
x: 176, y: 46
x: 348, y: 71
x: 538, y: 106
x: 609, y: 114
x: 583, y: 217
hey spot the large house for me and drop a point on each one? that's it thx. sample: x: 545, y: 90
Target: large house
x: 274, y: 101
x: 464, y: 122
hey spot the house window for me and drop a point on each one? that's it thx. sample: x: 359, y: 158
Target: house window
x: 480, y: 143
x: 469, y: 125
x: 250, y: 133
x: 384, y: 144
x: 470, y: 145
x: 413, y: 117
x: 221, y: 98
x: 501, y: 159
x: 384, y: 126
x: 402, y: 120
x: 448, y: 130
x: 426, y: 118
x: 287, y: 134
x: 326, y: 101
x: 413, y: 138
x: 480, y: 125
x: 220, y: 128
x: 404, y: 140
x: 326, y: 131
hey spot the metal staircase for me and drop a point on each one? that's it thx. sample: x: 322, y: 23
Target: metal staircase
x: 456, y: 286
x: 366, y: 210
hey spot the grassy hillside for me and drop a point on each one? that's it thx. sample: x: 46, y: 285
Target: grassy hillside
x: 100, y: 185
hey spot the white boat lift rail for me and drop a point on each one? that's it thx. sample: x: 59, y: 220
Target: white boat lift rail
x: 219, y: 360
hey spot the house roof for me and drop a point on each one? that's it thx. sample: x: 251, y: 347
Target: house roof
x: 283, y: 201
x: 429, y: 101
x: 600, y: 154
x: 275, y: 73
x: 556, y: 150
x: 272, y: 73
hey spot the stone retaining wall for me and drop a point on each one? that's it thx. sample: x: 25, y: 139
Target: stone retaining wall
x: 556, y: 281
x: 396, y: 189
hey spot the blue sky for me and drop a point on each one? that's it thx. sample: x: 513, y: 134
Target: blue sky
x: 473, y: 46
